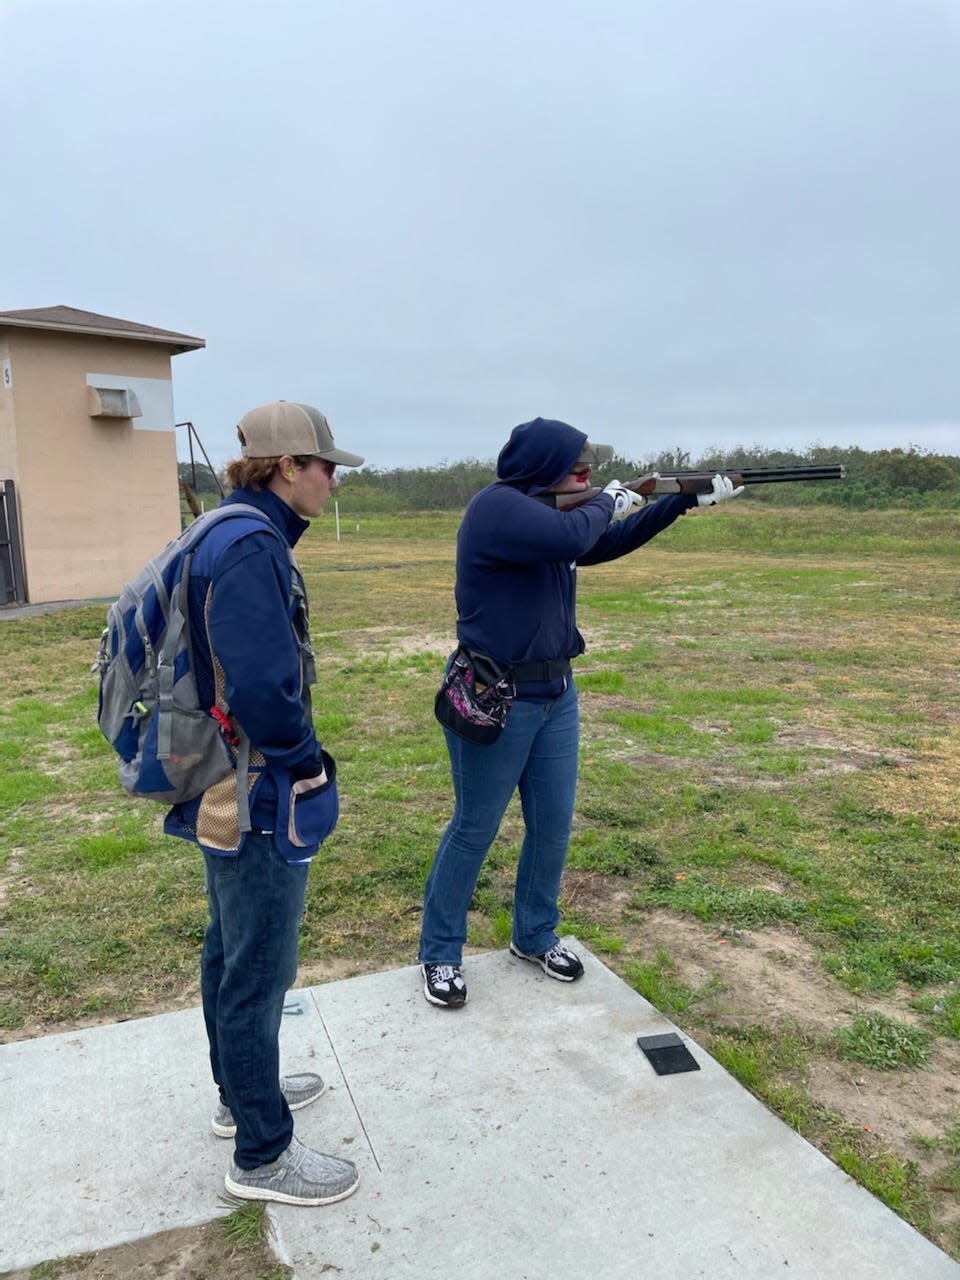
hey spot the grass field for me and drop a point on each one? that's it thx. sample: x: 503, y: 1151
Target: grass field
x: 767, y: 842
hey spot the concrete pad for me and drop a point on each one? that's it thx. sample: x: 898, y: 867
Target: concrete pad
x: 525, y: 1135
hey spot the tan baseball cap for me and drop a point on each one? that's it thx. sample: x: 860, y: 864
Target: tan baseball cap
x: 272, y: 430
x: 595, y: 455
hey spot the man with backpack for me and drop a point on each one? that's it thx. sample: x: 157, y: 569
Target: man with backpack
x: 260, y: 824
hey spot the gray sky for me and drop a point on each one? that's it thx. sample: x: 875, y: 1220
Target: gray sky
x: 673, y: 223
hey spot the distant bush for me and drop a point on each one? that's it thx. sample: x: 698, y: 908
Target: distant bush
x: 883, y: 478
x: 445, y: 487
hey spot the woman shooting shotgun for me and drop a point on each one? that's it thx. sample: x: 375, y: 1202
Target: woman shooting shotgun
x: 517, y: 562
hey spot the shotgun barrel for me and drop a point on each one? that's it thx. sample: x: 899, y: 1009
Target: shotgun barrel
x: 767, y: 475
x: 657, y: 484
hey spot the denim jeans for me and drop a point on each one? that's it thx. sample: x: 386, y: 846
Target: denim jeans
x: 249, y: 961
x: 537, y: 752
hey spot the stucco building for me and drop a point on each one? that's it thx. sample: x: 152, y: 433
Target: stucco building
x: 87, y: 439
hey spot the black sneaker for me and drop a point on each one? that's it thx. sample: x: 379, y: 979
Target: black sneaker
x: 443, y: 984
x: 559, y: 962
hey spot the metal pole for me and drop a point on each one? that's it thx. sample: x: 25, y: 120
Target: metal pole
x: 192, y: 434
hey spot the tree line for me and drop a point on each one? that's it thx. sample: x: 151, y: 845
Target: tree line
x: 874, y: 478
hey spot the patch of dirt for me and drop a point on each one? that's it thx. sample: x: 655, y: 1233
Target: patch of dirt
x: 770, y: 975
x: 840, y: 756
x: 184, y: 997
x: 385, y: 642
x: 10, y: 872
x: 329, y: 969
x: 187, y: 1253
x: 442, y: 645
x: 931, y: 786
x: 823, y: 753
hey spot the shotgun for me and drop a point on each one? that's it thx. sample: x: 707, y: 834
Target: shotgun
x: 664, y: 482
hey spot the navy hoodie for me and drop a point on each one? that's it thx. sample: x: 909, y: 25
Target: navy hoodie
x: 517, y: 558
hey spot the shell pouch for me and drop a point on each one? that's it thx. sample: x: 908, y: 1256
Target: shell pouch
x: 307, y: 811
x: 475, y: 697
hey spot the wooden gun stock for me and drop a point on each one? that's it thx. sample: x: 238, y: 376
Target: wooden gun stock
x: 692, y: 482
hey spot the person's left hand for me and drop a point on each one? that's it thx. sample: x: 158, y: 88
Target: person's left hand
x: 722, y: 490
x: 625, y: 501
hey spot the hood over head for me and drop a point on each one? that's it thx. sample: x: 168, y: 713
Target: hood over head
x: 539, y: 454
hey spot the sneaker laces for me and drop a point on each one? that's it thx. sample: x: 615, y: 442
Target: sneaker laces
x: 445, y: 973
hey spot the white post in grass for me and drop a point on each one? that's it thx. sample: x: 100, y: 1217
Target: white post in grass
x: 336, y: 512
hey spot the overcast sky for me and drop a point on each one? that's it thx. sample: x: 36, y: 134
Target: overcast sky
x: 673, y: 223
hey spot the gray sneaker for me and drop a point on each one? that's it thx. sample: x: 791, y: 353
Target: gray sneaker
x: 299, y: 1175
x: 299, y: 1091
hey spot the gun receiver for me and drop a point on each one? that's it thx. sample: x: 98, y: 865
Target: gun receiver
x: 652, y: 486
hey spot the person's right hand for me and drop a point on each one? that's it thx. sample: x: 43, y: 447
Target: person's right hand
x: 721, y: 491
x: 625, y: 500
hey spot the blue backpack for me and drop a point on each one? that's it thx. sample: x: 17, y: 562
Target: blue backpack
x: 170, y: 748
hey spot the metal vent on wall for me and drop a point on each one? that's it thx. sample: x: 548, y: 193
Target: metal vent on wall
x: 113, y: 402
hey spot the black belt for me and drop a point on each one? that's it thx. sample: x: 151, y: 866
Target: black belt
x: 540, y: 672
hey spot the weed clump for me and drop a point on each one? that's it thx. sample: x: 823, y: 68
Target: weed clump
x: 883, y: 1043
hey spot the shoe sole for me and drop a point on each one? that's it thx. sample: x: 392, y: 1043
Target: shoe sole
x: 551, y: 973
x: 242, y: 1192
x: 230, y: 1130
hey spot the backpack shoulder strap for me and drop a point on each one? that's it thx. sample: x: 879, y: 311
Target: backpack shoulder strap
x: 198, y: 530
x: 242, y: 746
x: 177, y: 607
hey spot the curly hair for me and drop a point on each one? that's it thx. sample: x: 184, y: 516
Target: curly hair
x: 256, y: 473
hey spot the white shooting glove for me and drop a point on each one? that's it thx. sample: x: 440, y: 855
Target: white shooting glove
x: 722, y: 489
x: 625, y: 501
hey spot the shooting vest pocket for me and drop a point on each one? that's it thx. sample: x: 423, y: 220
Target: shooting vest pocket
x: 307, y: 811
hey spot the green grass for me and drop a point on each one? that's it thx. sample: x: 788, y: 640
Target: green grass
x: 248, y: 1225
x: 943, y: 1012
x: 658, y: 981
x: 769, y: 742
x: 883, y: 1043
x: 896, y: 1182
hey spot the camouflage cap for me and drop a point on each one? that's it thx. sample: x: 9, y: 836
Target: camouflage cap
x: 595, y: 455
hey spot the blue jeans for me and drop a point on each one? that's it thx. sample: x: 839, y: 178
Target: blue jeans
x: 537, y: 752
x: 249, y: 961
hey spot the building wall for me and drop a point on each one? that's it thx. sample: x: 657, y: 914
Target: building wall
x: 98, y: 497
